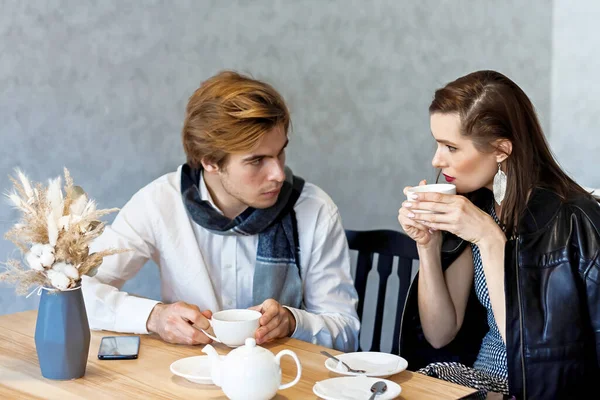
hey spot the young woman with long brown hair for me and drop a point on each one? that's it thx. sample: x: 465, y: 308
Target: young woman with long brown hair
x: 507, y: 298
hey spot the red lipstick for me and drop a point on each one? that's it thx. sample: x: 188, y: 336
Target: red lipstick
x: 449, y: 179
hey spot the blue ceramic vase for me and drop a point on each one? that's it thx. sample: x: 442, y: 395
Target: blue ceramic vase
x: 62, y: 334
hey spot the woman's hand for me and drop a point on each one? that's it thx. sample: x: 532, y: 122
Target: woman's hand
x: 454, y: 214
x: 421, y: 234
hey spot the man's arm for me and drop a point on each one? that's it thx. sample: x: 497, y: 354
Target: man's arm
x: 329, y: 315
x: 107, y: 307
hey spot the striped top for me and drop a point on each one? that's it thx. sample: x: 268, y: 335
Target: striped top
x: 492, y: 354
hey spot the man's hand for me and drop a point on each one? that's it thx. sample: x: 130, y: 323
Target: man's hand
x: 179, y: 323
x: 276, y: 321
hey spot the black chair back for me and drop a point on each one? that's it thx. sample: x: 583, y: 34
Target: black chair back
x: 387, y: 244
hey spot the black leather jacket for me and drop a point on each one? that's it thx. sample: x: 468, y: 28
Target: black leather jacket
x: 552, y: 291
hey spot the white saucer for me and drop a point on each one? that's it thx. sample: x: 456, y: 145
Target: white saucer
x: 195, y: 369
x: 376, y: 364
x: 354, y: 388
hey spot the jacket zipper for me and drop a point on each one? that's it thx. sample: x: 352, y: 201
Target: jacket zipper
x: 520, y: 318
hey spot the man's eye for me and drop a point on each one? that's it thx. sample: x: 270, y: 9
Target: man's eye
x: 256, y: 162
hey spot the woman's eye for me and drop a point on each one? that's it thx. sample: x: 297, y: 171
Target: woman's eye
x: 451, y: 149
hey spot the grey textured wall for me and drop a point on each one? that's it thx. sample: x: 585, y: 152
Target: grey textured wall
x: 100, y: 87
x: 575, y: 90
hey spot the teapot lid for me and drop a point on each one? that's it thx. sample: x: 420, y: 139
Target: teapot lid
x: 250, y: 349
x: 250, y: 346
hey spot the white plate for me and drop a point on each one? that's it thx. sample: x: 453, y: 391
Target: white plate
x: 195, y: 369
x: 354, y: 388
x: 376, y: 364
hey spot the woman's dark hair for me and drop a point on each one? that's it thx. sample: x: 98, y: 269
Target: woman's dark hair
x: 492, y: 107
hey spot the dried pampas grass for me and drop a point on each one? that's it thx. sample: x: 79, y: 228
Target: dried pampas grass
x: 56, y: 228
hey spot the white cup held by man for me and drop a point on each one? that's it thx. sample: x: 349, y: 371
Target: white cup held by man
x: 233, y: 327
x: 445, y: 188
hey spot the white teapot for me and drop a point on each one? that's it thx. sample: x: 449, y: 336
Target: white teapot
x: 250, y: 372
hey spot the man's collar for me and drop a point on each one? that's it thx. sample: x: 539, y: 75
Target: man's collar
x: 205, y: 193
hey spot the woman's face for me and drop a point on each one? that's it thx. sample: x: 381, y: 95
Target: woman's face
x: 458, y: 159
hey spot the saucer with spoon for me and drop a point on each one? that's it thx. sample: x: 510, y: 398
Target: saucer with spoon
x: 358, y: 387
x: 369, y: 363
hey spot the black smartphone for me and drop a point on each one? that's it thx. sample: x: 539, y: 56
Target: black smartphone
x: 119, y: 348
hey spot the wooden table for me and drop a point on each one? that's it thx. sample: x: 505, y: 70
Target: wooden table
x: 149, y: 376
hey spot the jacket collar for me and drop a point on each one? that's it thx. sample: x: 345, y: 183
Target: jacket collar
x: 542, y: 206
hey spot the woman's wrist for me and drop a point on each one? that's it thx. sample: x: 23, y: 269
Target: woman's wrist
x: 495, y: 239
x: 433, y: 247
x: 429, y: 254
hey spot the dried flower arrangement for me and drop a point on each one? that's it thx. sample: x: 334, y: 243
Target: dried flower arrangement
x: 53, y: 234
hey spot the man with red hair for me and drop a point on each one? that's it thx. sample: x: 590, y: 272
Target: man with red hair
x: 231, y: 228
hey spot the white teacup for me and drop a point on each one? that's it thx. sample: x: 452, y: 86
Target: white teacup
x: 232, y: 327
x: 445, y: 188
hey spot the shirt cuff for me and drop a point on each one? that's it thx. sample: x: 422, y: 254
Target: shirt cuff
x: 302, y: 332
x: 133, y: 313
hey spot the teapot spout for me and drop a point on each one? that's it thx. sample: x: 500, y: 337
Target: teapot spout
x: 215, y: 364
x: 212, y: 353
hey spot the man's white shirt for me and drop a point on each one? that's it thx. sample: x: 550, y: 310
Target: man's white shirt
x: 215, y: 272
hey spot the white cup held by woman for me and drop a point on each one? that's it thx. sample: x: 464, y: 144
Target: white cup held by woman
x: 445, y: 188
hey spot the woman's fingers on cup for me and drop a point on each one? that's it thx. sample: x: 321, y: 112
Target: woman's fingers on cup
x: 409, y: 204
x: 408, y: 212
x: 412, y: 205
x: 437, y: 222
x: 413, y: 228
x: 436, y: 197
x: 418, y: 226
x: 436, y: 218
x: 406, y: 219
x: 406, y: 188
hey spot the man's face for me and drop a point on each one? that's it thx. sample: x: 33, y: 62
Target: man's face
x: 255, y: 178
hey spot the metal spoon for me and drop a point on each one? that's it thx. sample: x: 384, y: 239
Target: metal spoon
x: 378, y: 387
x: 356, y: 371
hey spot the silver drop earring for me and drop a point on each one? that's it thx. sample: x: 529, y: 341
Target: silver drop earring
x: 499, y: 185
